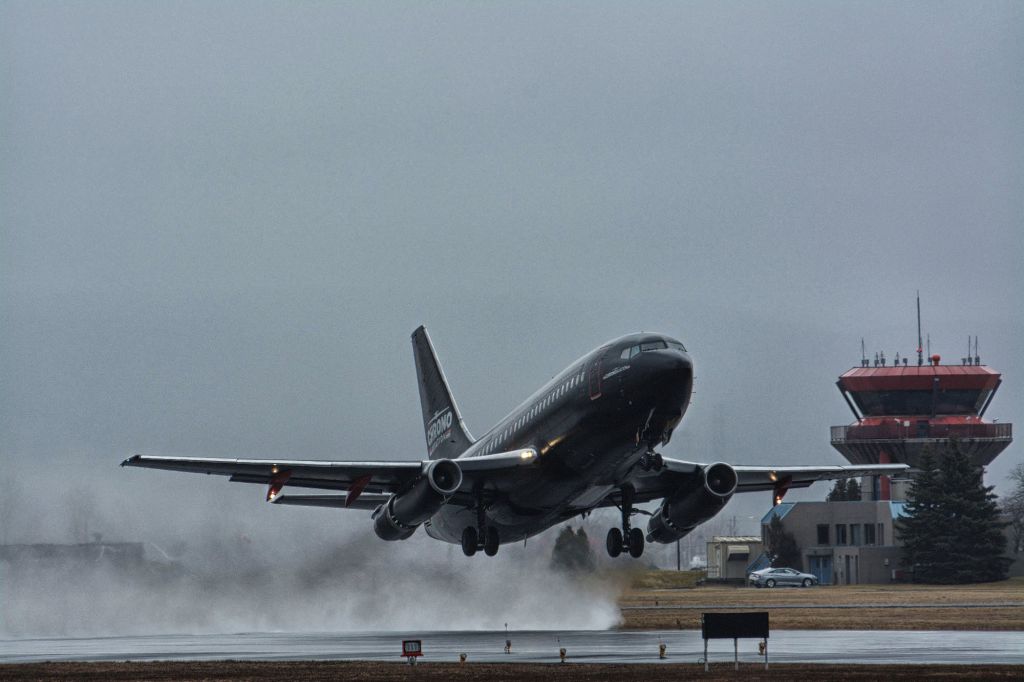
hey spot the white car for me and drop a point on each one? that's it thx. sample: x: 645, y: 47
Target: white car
x: 771, y: 577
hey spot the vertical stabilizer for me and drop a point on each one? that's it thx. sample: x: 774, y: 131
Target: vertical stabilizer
x: 447, y: 435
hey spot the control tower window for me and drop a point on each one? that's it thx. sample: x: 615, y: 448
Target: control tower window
x: 881, y: 403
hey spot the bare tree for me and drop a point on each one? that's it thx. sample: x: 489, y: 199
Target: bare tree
x: 1013, y: 507
x: 10, y: 500
x: 80, y: 509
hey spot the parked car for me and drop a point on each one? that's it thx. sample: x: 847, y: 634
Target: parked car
x: 771, y: 577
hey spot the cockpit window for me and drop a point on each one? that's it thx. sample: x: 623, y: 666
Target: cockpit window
x: 643, y: 348
x: 677, y: 346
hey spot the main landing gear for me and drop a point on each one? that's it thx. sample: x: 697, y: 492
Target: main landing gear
x: 471, y: 537
x: 627, y: 538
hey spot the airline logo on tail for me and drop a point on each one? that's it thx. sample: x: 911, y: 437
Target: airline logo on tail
x: 439, y: 428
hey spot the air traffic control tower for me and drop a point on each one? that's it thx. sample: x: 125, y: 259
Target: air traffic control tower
x: 901, y: 410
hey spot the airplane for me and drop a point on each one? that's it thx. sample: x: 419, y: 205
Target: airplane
x: 585, y: 440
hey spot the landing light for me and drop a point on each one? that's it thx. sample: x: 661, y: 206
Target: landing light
x: 526, y: 454
x: 772, y: 476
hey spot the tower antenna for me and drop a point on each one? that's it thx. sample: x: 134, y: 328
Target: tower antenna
x: 863, y: 357
x: 920, y: 358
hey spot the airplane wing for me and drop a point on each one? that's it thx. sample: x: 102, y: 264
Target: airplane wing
x: 366, y: 484
x: 677, y: 474
x: 753, y: 478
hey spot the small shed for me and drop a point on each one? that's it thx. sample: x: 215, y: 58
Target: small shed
x: 730, y: 555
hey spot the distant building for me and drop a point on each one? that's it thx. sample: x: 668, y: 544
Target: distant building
x: 901, y: 411
x: 126, y: 554
x: 730, y: 557
x: 843, y: 543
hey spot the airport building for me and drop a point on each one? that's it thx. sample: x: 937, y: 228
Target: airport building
x: 901, y: 411
x: 844, y: 543
x: 730, y: 557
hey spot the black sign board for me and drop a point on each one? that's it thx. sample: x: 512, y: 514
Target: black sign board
x: 734, y: 625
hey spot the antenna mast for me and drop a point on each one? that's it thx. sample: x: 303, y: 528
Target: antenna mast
x: 920, y: 358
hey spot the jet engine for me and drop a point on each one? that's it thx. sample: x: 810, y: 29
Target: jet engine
x: 400, y: 516
x: 683, y: 512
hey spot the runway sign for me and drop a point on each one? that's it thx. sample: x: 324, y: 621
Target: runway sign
x: 734, y: 625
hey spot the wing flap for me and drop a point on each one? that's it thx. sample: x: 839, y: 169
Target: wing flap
x: 368, y: 478
x: 367, y: 501
x: 329, y: 475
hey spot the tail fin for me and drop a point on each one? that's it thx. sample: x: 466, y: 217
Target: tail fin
x: 447, y: 435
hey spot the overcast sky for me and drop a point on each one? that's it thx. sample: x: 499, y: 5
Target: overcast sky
x: 220, y: 222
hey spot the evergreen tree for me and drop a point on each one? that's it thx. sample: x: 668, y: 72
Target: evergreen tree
x: 782, y: 547
x: 853, y: 490
x: 844, y: 490
x: 572, y: 551
x: 838, y: 492
x: 952, y: 533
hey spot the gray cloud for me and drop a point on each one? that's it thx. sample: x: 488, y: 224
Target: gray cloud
x: 219, y: 224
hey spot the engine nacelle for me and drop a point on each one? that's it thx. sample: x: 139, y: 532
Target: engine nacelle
x: 400, y: 516
x: 680, y: 514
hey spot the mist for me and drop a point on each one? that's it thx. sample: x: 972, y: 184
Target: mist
x: 219, y: 224
x: 302, y: 575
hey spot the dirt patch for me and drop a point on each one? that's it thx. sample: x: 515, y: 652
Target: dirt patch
x: 862, y: 606
x: 372, y: 672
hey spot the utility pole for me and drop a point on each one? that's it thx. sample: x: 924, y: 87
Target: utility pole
x: 679, y: 560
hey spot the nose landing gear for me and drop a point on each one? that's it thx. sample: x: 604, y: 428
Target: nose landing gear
x: 652, y: 461
x: 626, y: 538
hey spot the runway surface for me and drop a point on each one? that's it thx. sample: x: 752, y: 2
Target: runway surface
x: 607, y: 646
x: 757, y: 607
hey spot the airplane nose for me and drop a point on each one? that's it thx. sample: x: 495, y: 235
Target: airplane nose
x: 668, y: 373
x: 674, y: 363
x: 679, y: 368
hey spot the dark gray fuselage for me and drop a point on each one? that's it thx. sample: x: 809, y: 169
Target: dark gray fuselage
x: 590, y: 426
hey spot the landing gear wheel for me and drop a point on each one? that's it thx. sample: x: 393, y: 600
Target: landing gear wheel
x: 614, y: 542
x: 652, y: 461
x: 491, y: 541
x: 769, y: 583
x: 636, y: 543
x: 469, y: 540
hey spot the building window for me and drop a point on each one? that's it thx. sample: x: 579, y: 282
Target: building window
x: 840, y: 534
x: 869, y: 533
x: 855, y: 538
x: 881, y: 533
x: 823, y: 534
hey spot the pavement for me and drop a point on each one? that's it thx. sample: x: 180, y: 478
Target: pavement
x: 582, y: 646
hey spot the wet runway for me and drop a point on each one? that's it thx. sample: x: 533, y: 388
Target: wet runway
x: 608, y: 646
